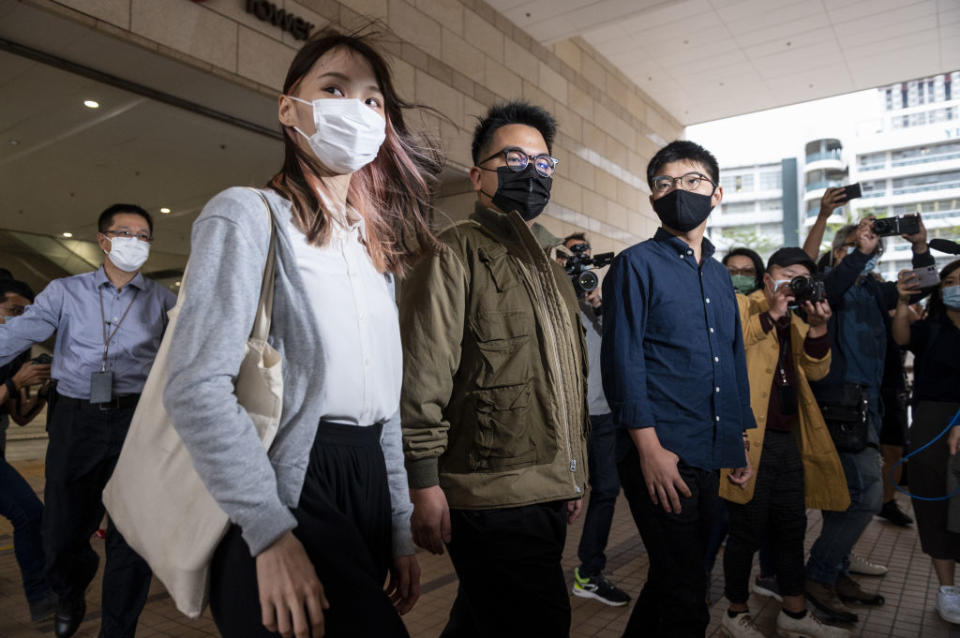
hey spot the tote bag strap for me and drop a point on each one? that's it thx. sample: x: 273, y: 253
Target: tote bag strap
x: 261, y: 325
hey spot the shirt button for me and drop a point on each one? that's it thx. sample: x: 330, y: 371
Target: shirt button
x: 717, y: 388
x: 718, y: 419
x: 689, y: 252
x: 716, y: 359
x: 708, y: 300
x: 711, y: 330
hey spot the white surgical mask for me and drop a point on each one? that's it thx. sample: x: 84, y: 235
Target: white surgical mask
x: 348, y: 136
x: 128, y: 253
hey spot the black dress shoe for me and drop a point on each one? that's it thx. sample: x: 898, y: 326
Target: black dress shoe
x: 892, y: 512
x: 68, y: 617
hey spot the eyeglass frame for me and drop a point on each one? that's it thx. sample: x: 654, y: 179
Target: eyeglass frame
x: 518, y: 169
x: 128, y: 235
x: 700, y: 175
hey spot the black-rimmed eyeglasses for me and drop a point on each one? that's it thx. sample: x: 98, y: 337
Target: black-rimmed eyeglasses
x: 688, y: 182
x: 517, y: 160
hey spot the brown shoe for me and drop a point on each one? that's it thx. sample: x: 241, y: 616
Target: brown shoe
x: 849, y: 591
x: 824, y: 598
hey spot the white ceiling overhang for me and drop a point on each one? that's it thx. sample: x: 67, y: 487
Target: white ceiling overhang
x: 707, y: 59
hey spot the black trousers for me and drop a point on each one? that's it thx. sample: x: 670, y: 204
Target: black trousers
x: 511, y: 582
x: 345, y: 525
x: 84, y: 444
x: 672, y: 603
x: 777, y: 512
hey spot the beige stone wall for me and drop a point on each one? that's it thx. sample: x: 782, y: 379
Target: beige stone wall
x: 458, y: 56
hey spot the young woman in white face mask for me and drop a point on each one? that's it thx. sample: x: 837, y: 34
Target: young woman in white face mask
x: 318, y: 521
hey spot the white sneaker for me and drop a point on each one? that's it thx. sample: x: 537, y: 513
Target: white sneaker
x: 948, y: 604
x: 807, y: 627
x: 860, y: 565
x: 740, y: 626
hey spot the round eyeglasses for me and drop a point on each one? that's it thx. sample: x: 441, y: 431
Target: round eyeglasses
x: 517, y: 160
x: 688, y: 182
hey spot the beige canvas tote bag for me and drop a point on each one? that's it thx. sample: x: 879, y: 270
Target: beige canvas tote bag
x: 155, y: 497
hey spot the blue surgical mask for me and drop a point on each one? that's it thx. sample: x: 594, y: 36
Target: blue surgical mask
x: 870, y: 265
x: 951, y: 297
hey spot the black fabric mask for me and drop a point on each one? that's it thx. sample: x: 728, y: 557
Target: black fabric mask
x: 526, y: 192
x: 682, y: 210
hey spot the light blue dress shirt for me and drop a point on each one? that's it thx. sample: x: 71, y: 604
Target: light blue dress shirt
x: 71, y: 308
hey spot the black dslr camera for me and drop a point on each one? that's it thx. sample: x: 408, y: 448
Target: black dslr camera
x: 891, y: 226
x: 808, y: 289
x: 578, y: 266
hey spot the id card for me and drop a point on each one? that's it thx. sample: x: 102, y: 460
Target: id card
x: 101, y: 387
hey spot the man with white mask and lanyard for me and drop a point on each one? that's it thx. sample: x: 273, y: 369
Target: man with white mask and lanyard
x: 108, y: 326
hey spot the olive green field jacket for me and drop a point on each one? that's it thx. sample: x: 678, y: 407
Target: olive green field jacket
x: 494, y: 369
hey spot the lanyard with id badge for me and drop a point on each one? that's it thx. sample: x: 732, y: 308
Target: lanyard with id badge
x: 101, y: 383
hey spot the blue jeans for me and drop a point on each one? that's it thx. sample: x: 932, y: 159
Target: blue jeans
x: 830, y: 554
x: 604, y: 489
x: 19, y: 504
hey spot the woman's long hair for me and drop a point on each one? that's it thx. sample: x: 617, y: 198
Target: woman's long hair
x: 936, y: 309
x: 392, y: 193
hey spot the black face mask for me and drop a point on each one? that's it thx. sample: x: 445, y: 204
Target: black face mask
x: 526, y: 192
x: 682, y: 210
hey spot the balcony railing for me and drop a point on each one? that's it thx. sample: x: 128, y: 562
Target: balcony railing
x: 872, y: 167
x: 824, y: 183
x: 925, y: 187
x: 823, y: 155
x: 925, y: 160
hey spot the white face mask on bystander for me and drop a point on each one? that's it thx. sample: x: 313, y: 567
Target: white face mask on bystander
x: 128, y: 253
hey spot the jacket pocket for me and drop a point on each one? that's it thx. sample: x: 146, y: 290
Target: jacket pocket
x: 503, y: 347
x: 502, y: 439
x: 497, y: 263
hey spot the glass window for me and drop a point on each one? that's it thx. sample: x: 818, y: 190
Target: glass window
x: 771, y: 205
x: 770, y: 180
x: 739, y: 208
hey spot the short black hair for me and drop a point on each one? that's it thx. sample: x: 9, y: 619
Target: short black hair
x: 106, y: 217
x: 680, y: 150
x: 513, y: 112
x: 575, y: 236
x: 5, y: 274
x: 8, y: 286
x: 753, y: 256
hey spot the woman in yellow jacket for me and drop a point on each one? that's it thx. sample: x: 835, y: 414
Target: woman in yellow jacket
x: 796, y: 463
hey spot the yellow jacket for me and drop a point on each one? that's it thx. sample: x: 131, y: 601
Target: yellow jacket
x: 825, y: 483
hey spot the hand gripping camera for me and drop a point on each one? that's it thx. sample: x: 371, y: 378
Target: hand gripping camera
x: 808, y: 289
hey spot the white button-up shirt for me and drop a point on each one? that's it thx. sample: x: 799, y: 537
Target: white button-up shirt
x: 357, y: 320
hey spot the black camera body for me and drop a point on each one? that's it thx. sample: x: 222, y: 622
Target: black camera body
x: 902, y: 225
x: 43, y: 359
x: 808, y: 289
x: 579, y: 265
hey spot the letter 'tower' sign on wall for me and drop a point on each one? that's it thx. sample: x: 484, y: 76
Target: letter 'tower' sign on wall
x: 269, y: 12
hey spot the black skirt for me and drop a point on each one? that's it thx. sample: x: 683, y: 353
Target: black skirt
x: 344, y: 522
x: 928, y: 477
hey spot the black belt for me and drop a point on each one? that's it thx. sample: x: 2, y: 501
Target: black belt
x: 123, y: 402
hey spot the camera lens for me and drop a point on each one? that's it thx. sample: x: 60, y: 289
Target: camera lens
x: 587, y: 281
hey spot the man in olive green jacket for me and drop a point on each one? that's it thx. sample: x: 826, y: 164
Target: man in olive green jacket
x: 494, y: 392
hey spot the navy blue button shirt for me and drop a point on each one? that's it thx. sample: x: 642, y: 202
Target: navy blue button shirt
x: 672, y: 356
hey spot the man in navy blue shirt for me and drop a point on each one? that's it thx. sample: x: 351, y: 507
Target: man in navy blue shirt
x: 675, y: 374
